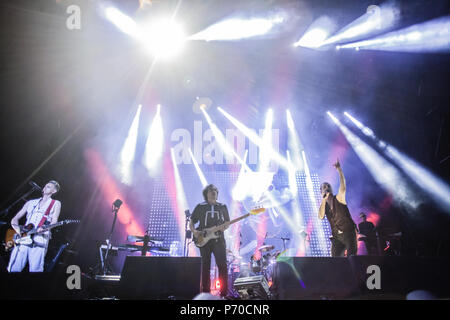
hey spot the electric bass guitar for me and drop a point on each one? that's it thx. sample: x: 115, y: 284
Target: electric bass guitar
x: 213, y: 232
x: 28, y: 231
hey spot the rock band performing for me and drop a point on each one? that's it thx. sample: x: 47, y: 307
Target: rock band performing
x: 240, y: 150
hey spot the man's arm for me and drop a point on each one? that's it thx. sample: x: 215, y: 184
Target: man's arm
x: 322, y: 208
x: 17, y: 217
x: 342, y: 186
x: 192, y: 222
x: 226, y: 217
x: 55, y: 216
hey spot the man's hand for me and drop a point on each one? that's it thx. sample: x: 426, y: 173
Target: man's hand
x: 196, y: 233
x: 337, y: 165
x: 225, y: 226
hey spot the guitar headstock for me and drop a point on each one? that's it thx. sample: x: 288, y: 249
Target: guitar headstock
x: 257, y: 210
x: 71, y: 221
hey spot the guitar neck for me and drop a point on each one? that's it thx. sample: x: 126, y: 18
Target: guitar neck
x: 234, y: 220
x: 45, y: 228
x: 240, y: 218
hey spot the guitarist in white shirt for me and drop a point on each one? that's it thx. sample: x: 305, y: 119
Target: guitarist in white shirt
x: 35, y: 211
x: 210, y: 214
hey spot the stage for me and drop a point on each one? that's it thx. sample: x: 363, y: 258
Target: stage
x: 147, y: 278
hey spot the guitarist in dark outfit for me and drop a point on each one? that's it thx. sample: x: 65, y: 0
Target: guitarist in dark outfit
x: 210, y: 214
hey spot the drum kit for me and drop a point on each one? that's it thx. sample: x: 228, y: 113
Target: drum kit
x: 238, y: 268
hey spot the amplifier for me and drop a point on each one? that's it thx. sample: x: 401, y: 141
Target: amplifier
x: 255, y: 287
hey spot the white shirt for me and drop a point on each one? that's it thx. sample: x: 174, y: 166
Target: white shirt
x: 36, y: 209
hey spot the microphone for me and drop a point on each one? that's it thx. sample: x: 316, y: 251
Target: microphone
x: 35, y: 185
x: 117, y: 203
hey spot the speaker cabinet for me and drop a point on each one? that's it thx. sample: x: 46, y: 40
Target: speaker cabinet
x: 160, y: 278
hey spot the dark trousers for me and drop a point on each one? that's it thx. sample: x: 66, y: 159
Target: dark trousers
x: 218, y: 248
x: 344, y: 241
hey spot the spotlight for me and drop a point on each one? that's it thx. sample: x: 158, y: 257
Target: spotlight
x: 199, y: 171
x: 256, y: 139
x: 375, y: 20
x: 164, y: 38
x: 383, y: 172
x: 317, y: 32
x: 123, y: 22
x: 434, y: 186
x: 235, y: 29
x: 129, y: 149
x: 430, y: 36
x: 154, y: 144
x: 181, y: 201
x: 294, y: 142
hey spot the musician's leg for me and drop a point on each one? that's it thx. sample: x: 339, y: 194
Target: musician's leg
x: 337, y: 247
x: 36, y: 259
x: 220, y: 255
x: 18, y: 259
x: 351, y: 243
x: 205, y: 252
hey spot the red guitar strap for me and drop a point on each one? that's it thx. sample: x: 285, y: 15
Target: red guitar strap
x: 44, y: 218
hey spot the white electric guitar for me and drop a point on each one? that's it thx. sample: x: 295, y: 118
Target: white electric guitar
x: 213, y: 232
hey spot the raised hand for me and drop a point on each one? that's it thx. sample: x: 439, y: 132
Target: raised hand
x: 337, y: 165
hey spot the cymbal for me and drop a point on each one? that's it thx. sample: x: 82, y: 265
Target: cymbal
x: 266, y: 248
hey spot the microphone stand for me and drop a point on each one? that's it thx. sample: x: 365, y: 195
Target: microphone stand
x: 284, y: 242
x: 23, y: 197
x: 187, y: 233
x: 115, y: 209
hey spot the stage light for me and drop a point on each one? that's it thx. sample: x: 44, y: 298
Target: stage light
x: 223, y: 143
x: 129, y: 149
x: 256, y: 139
x: 199, y: 171
x: 181, y: 202
x: 430, y: 36
x: 217, y: 284
x: 298, y: 215
x: 383, y: 172
x: 375, y: 20
x: 314, y: 199
x: 154, y: 145
x: 235, y: 29
x: 427, y: 181
x: 367, y: 131
x: 294, y: 142
x: 123, y: 22
x: 240, y: 189
x: 164, y: 38
x: 316, y: 33
x: 264, y: 156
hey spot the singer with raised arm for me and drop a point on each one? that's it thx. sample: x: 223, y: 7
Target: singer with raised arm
x: 334, y: 207
x: 39, y: 213
x: 210, y: 214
